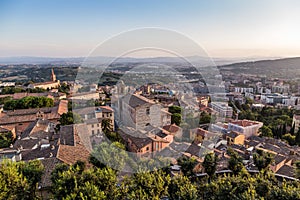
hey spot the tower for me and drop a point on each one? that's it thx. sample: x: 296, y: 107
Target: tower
x: 53, y: 76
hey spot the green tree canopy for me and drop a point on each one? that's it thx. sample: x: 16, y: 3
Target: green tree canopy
x: 18, y: 180
x: 176, y: 118
x: 70, y: 118
x: 187, y: 165
x: 181, y: 188
x: 29, y: 102
x: 262, y: 160
x: 210, y: 164
x: 235, y: 163
x: 111, y: 154
x: 266, y: 131
x: 175, y: 109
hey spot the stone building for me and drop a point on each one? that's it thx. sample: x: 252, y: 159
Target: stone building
x: 54, y: 83
x: 139, y: 112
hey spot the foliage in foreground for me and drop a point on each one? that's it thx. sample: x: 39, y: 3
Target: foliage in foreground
x: 19, y: 180
x: 102, y: 183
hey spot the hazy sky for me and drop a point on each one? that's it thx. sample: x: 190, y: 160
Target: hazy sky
x: 225, y: 28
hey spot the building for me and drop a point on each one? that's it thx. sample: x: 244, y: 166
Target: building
x: 139, y: 112
x: 20, y: 119
x: 85, y: 96
x: 223, y: 109
x: 234, y: 137
x: 281, y: 88
x: 174, y: 130
x: 296, y: 122
x: 198, y: 135
x: 54, y: 83
x: 245, y: 127
x: 203, y: 101
x: 146, y: 143
x: 93, y: 117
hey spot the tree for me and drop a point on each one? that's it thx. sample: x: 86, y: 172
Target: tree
x: 29, y: 102
x: 298, y: 169
x: 297, y: 138
x: 205, y: 118
x: 18, y: 180
x: 187, y: 165
x: 148, y: 185
x: 70, y: 118
x: 6, y: 139
x: 78, y: 183
x: 33, y: 171
x: 235, y: 163
x: 112, y: 155
x: 175, y: 109
x: 210, y: 164
x: 176, y: 118
x: 65, y: 88
x: 266, y: 131
x: 182, y: 188
x: 292, y: 131
x: 262, y: 160
x: 289, y: 138
x: 106, y: 126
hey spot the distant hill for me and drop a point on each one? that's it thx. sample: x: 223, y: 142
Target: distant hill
x: 280, y: 68
x: 203, y: 61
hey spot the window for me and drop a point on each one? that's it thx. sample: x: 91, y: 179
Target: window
x: 98, y: 125
x: 147, y: 149
x: 148, y: 111
x: 93, y: 132
x: 92, y: 125
x: 98, y: 131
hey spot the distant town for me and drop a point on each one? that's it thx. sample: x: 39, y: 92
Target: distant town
x: 70, y: 121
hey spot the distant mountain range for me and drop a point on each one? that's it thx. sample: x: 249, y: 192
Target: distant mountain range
x: 203, y: 61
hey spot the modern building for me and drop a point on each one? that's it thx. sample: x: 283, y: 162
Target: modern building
x: 222, y: 108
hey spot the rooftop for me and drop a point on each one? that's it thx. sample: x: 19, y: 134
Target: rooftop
x: 244, y: 122
x: 136, y: 100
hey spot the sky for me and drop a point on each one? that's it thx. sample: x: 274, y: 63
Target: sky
x: 223, y: 28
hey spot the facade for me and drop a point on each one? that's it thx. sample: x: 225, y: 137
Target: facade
x: 296, y: 122
x: 85, y: 96
x: 198, y: 135
x: 233, y: 137
x: 139, y: 112
x: 146, y: 143
x: 93, y: 117
x: 222, y: 108
x: 245, y: 127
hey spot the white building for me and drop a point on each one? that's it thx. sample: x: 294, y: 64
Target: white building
x: 245, y: 127
x: 222, y: 108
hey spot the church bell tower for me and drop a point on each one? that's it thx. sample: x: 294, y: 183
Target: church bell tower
x: 53, y: 76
